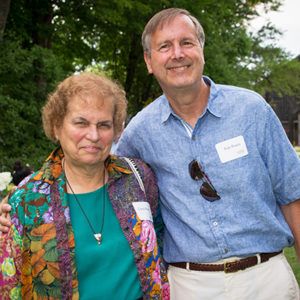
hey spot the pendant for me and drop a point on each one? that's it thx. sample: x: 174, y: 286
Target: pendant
x: 98, y: 237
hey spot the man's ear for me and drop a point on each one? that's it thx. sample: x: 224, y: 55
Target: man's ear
x: 147, y: 59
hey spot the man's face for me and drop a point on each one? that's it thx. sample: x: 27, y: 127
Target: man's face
x: 176, y: 56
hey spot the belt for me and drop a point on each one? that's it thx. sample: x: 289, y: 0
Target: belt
x: 227, y: 267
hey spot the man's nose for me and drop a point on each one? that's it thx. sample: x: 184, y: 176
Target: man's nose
x: 177, y: 51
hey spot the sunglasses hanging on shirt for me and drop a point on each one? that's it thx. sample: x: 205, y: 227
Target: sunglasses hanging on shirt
x: 207, y: 190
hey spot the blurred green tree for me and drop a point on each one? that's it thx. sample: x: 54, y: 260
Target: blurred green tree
x: 43, y: 41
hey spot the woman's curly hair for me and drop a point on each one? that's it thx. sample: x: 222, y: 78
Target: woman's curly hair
x: 83, y: 85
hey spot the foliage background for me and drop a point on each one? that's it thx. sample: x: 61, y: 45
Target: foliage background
x: 292, y: 259
x: 43, y: 41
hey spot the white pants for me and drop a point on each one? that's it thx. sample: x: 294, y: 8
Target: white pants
x: 271, y: 280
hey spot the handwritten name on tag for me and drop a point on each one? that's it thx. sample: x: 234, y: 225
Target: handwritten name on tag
x: 232, y: 149
x: 143, y: 210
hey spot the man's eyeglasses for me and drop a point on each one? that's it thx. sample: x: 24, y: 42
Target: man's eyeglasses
x: 207, y: 190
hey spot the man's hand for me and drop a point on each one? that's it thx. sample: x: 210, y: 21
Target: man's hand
x: 4, y: 216
x: 291, y: 213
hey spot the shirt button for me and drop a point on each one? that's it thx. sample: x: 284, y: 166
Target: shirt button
x: 193, y: 138
x: 226, y: 250
x: 215, y: 223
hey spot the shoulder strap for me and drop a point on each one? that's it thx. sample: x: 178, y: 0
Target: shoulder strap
x: 135, y: 171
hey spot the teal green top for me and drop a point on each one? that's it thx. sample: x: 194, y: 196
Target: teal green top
x: 108, y: 270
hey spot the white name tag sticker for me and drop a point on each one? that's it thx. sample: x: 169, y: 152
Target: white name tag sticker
x: 232, y: 149
x: 143, y: 210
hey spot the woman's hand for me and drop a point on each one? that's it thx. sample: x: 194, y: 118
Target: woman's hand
x: 4, y: 216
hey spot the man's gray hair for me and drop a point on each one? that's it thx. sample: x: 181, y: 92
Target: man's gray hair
x: 164, y: 16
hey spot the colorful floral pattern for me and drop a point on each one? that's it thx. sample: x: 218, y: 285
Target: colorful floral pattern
x: 148, y: 237
x: 37, y: 255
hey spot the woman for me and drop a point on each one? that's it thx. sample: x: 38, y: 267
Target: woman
x: 82, y: 226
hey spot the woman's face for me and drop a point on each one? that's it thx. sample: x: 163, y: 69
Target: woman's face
x: 87, y: 131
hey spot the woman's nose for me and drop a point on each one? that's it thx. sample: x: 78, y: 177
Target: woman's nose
x: 93, y: 133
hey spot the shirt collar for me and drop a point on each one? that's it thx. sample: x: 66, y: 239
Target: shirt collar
x: 212, y: 105
x: 166, y: 109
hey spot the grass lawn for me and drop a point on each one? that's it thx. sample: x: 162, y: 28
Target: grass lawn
x: 291, y: 257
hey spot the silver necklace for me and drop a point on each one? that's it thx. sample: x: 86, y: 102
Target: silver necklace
x: 97, y: 235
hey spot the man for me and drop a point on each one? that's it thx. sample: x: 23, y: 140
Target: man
x: 228, y: 177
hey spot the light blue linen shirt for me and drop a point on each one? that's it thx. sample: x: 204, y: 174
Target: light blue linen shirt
x: 247, y: 219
